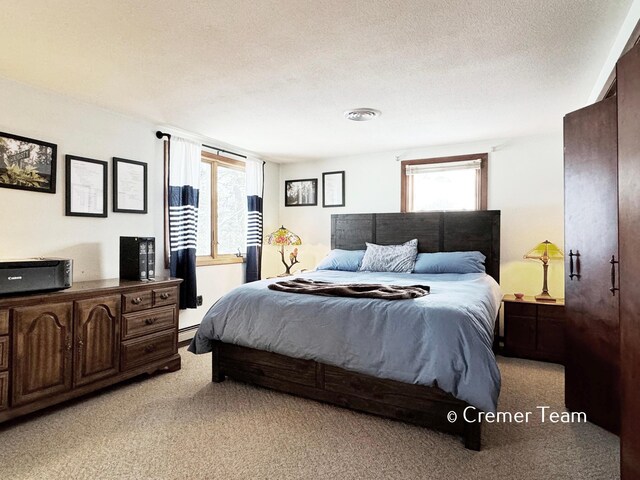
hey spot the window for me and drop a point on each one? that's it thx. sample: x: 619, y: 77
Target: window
x: 446, y: 183
x: 222, y: 212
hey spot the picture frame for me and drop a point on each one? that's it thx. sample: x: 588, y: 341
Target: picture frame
x: 85, y: 187
x: 301, y: 193
x: 333, y: 189
x: 129, y: 186
x: 27, y: 164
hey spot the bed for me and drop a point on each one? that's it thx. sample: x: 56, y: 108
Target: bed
x: 416, y: 360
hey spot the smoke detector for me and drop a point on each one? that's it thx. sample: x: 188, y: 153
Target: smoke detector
x: 362, y: 114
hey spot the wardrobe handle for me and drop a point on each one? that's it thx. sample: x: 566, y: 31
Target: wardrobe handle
x: 613, y: 262
x: 571, y: 273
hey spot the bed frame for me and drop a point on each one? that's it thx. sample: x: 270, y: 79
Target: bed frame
x: 427, y: 406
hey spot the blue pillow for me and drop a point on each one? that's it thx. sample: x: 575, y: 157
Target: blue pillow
x: 345, y: 260
x: 450, y: 262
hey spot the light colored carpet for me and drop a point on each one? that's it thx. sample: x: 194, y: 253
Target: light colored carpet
x: 181, y: 426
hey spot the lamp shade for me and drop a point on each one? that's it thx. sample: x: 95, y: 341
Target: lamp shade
x: 545, y: 251
x: 283, y: 237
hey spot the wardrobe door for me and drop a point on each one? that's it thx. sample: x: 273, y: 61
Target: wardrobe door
x: 591, y: 236
x: 628, y: 78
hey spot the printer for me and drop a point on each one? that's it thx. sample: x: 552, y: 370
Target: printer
x: 35, y: 275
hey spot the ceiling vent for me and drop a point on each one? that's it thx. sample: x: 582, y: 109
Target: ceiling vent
x: 361, y: 114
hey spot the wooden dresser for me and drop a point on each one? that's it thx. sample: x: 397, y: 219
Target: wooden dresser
x: 60, y: 345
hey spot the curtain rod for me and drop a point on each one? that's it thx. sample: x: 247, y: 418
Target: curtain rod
x: 160, y: 134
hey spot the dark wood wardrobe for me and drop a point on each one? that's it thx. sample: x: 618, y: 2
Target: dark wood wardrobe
x: 592, y: 378
x: 602, y: 284
x: 628, y: 85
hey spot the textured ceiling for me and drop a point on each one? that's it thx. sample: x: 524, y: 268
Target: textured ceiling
x: 275, y: 77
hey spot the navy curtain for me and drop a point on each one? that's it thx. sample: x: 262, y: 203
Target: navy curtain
x: 184, y: 176
x: 255, y: 190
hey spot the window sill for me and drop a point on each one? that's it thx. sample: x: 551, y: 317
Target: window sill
x: 208, y: 261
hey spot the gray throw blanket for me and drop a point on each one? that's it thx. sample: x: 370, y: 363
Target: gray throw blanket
x: 358, y: 290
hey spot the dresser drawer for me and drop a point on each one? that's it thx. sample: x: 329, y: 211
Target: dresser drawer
x: 132, y: 302
x: 551, y: 311
x: 4, y: 353
x: 4, y: 322
x: 165, y: 296
x: 148, y: 321
x: 4, y: 390
x: 520, y: 309
x: 148, y: 348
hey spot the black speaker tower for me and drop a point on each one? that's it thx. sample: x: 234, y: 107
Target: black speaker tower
x: 137, y: 258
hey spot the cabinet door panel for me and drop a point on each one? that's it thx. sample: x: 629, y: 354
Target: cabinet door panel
x: 550, y: 338
x: 97, y: 327
x: 591, y: 228
x: 42, y: 349
x: 4, y: 390
x: 628, y: 77
x: 4, y: 353
x: 520, y: 337
x: 4, y: 322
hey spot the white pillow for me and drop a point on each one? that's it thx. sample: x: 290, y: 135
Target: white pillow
x: 390, y: 258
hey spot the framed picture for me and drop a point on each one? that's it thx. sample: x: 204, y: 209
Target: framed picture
x: 27, y: 164
x: 333, y: 189
x: 129, y: 186
x: 301, y: 193
x: 86, y: 187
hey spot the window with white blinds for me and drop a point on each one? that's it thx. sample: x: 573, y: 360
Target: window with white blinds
x: 449, y: 183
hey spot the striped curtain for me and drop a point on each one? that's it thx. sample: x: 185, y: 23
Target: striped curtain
x: 184, y: 179
x: 255, y: 190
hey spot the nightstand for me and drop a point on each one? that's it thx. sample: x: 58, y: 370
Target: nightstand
x: 534, y: 329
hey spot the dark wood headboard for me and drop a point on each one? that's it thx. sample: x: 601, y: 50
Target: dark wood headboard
x: 435, y: 231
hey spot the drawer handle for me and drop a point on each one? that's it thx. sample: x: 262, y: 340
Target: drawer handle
x: 164, y: 296
x: 150, y: 348
x: 136, y: 301
x: 150, y: 321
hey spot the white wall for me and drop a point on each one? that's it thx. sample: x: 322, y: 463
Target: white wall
x: 525, y: 183
x: 34, y: 224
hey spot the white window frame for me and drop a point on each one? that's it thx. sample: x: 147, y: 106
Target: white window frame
x: 458, y: 161
x: 216, y: 259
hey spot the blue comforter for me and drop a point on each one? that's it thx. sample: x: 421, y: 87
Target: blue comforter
x: 441, y: 339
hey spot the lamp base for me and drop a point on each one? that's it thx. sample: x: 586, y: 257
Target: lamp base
x: 545, y: 297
